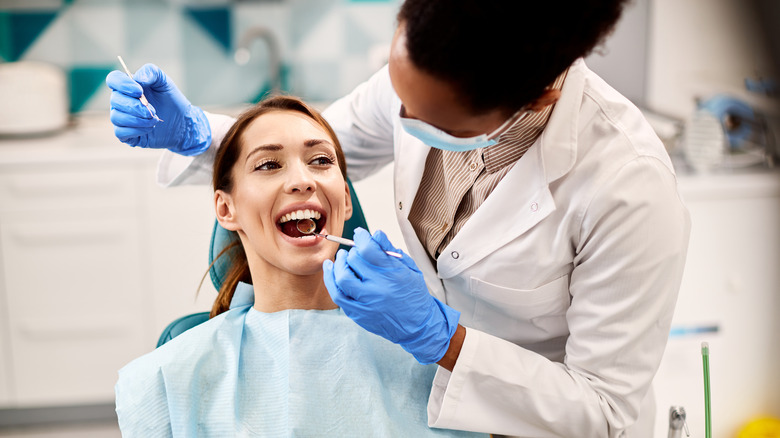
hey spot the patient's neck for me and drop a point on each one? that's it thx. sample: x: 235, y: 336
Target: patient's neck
x: 286, y: 291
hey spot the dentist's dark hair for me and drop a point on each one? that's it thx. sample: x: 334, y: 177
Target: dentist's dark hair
x: 227, y: 156
x: 502, y: 54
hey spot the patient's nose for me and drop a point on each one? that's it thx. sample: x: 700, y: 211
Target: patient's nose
x: 299, y: 179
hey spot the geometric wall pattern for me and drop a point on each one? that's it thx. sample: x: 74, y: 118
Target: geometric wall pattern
x: 326, y: 47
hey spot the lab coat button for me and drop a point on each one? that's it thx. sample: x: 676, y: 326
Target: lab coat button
x: 534, y: 206
x: 400, y: 205
x: 455, y: 254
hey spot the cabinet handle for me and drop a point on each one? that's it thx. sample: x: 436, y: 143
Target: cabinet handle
x: 45, y: 189
x: 48, y: 330
x: 67, y: 238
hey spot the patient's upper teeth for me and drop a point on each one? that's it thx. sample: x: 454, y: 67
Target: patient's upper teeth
x: 300, y: 214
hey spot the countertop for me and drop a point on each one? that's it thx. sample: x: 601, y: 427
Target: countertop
x: 90, y: 139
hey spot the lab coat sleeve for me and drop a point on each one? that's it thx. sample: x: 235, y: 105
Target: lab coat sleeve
x: 174, y: 169
x: 630, y: 253
x: 363, y: 123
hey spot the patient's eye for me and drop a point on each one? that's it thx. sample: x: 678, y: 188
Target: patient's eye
x: 268, y: 165
x: 323, y: 160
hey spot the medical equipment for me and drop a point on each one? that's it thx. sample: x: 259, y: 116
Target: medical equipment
x: 705, y: 357
x: 307, y: 226
x: 677, y: 422
x: 679, y: 331
x: 726, y: 132
x: 143, y: 99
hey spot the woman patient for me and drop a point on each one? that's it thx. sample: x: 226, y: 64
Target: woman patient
x: 278, y: 357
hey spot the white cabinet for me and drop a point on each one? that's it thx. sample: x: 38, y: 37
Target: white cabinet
x: 731, y: 282
x: 72, y: 258
x: 95, y: 260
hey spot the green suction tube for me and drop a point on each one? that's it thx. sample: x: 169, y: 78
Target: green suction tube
x: 705, y: 357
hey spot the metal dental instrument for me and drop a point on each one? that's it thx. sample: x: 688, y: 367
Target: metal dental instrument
x: 307, y: 226
x: 143, y: 99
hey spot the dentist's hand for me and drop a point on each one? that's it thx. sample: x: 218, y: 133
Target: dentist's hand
x: 387, y: 296
x: 184, y: 128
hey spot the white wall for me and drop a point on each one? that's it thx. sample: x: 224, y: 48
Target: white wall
x: 700, y: 47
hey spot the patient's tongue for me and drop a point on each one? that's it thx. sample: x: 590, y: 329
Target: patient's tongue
x: 290, y: 228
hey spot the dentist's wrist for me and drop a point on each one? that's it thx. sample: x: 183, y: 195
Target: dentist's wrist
x: 453, y: 351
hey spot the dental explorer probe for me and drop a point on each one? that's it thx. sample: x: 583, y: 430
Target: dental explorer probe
x: 143, y: 99
x: 307, y: 226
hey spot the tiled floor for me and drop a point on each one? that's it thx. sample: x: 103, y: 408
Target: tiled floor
x: 92, y: 430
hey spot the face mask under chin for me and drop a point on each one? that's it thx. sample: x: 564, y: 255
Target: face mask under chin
x: 439, y: 139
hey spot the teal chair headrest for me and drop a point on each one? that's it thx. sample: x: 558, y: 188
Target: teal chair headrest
x: 221, y: 238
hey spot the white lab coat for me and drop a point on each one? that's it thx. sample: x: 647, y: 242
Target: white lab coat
x: 566, y: 277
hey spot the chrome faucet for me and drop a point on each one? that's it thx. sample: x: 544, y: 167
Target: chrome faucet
x: 242, y: 54
x: 677, y: 422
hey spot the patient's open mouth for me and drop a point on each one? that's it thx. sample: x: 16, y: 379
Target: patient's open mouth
x: 289, y: 222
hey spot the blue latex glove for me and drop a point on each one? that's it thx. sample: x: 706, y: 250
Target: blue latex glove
x: 184, y: 129
x: 387, y: 296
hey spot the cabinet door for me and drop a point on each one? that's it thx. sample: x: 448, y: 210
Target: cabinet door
x: 180, y: 222
x: 76, y: 286
x: 5, y: 356
x: 77, y: 305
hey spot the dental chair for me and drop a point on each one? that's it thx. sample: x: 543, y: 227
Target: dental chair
x: 220, y: 239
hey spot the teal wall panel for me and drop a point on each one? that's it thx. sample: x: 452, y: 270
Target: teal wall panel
x: 84, y: 82
x: 18, y: 30
x: 215, y: 21
x: 324, y: 44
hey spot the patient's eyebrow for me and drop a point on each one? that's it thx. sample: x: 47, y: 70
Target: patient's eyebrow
x: 316, y: 141
x: 264, y: 147
x: 277, y: 147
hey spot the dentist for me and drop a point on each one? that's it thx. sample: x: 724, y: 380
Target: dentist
x: 539, y: 206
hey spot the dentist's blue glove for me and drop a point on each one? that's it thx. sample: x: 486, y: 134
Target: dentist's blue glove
x: 387, y: 296
x: 184, y: 128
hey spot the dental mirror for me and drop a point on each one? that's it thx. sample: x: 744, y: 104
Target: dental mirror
x: 307, y: 226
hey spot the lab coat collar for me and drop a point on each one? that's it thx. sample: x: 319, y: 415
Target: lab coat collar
x: 559, y: 138
x: 523, y: 196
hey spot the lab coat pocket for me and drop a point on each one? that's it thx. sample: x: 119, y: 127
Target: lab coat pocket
x: 522, y: 316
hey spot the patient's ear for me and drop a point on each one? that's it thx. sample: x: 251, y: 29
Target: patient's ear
x: 348, y: 210
x: 226, y: 215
